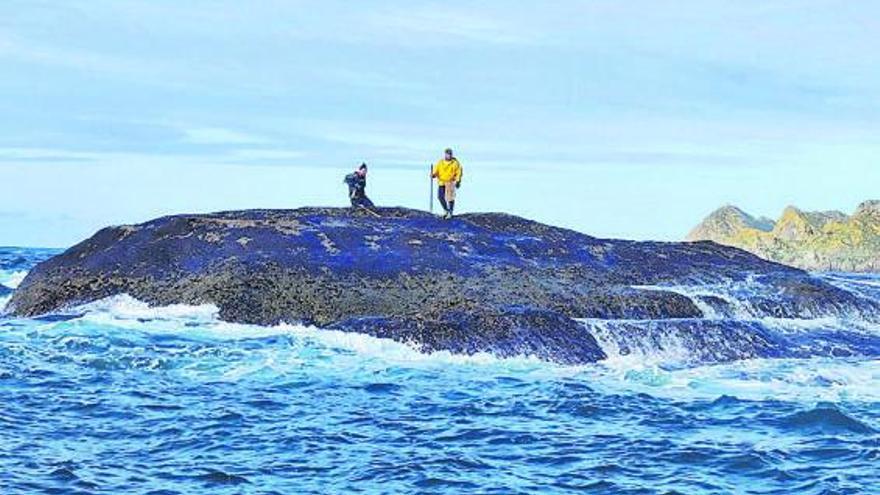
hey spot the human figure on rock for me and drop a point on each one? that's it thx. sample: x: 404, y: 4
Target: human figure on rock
x: 357, y: 188
x: 448, y: 172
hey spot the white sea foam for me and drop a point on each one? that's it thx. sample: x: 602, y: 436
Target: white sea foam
x: 867, y: 280
x: 867, y: 286
x: 832, y: 323
x: 125, y: 307
x: 126, y: 312
x: 12, y: 278
x: 658, y: 348
x: 397, y: 352
x: 666, y: 349
x: 734, y: 295
x: 803, y: 380
x: 341, y: 352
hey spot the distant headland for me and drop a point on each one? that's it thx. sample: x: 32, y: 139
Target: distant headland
x: 819, y: 241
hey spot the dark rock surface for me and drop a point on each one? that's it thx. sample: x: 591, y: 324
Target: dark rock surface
x: 482, y: 282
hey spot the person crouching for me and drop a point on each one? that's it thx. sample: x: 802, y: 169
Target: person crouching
x: 357, y: 188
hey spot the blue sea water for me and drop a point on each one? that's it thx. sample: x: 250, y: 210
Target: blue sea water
x: 118, y: 397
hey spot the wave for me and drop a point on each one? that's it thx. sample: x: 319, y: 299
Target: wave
x: 862, y: 285
x: 749, y: 300
x: 126, y: 313
x: 825, y: 418
x: 667, y: 343
x: 122, y: 333
x: 217, y: 477
x: 792, y: 380
x: 691, y: 342
x: 714, y: 301
x: 9, y: 281
x: 12, y: 278
x: 124, y: 308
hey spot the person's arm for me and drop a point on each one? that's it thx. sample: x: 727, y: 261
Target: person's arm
x: 434, y: 169
x: 459, y: 173
x: 350, y: 181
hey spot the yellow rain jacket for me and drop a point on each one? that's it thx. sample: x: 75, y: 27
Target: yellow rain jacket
x: 447, y: 170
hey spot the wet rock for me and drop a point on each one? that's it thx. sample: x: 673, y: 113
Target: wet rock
x: 519, y: 331
x: 480, y: 283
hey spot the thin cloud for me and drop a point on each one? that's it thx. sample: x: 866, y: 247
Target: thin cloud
x: 218, y: 135
x: 14, y: 155
x: 443, y: 25
x: 261, y: 154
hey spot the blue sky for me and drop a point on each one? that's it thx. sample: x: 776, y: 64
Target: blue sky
x: 626, y: 119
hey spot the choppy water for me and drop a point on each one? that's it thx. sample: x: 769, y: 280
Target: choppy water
x: 123, y: 398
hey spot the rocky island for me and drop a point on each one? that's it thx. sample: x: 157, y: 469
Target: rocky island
x: 812, y: 240
x: 479, y: 283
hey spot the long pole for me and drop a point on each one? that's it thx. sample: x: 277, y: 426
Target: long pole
x: 431, y: 188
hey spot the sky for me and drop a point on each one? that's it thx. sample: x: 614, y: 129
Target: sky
x: 626, y: 119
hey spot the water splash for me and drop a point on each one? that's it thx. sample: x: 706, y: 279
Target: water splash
x: 125, y: 314
x: 12, y: 278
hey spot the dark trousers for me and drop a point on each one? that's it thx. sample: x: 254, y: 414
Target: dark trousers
x: 364, y: 201
x: 441, y: 195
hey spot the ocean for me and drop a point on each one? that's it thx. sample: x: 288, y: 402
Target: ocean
x: 119, y: 397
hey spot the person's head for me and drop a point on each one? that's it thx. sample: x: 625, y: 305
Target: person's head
x: 362, y: 170
x: 448, y: 154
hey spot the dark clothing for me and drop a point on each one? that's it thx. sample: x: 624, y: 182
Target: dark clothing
x: 447, y: 206
x: 362, y: 201
x: 357, y: 184
x: 357, y: 190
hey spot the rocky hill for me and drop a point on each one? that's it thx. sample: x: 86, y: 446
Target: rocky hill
x: 820, y: 241
x: 480, y: 283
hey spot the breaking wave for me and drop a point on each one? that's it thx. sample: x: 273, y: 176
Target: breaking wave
x: 12, y: 278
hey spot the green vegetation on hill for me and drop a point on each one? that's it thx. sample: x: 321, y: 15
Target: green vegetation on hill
x: 826, y: 240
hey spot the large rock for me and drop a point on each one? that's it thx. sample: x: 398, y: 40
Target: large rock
x: 480, y: 283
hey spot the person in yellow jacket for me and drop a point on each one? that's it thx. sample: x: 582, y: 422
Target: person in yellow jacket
x: 448, y: 172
